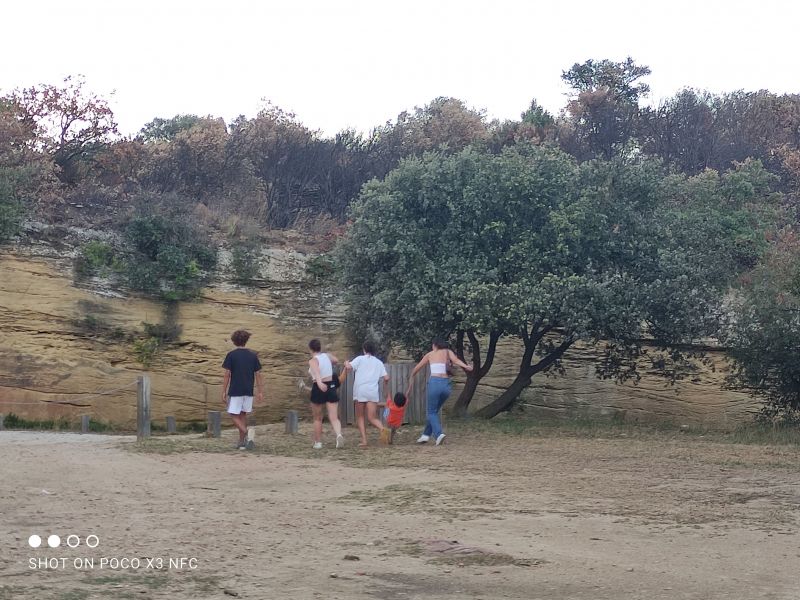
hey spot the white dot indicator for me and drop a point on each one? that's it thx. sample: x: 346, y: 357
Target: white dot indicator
x: 92, y: 541
x: 54, y: 541
x: 34, y: 541
x: 73, y: 541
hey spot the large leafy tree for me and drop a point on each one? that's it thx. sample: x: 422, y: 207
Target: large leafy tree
x: 763, y: 333
x: 71, y: 123
x: 603, y: 111
x: 530, y: 245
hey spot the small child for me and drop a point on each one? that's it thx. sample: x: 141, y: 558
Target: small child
x: 393, y: 415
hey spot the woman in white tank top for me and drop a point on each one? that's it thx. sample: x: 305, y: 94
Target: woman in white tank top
x: 324, y: 391
x: 439, y: 387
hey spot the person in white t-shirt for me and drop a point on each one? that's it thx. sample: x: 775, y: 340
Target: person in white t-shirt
x: 369, y: 371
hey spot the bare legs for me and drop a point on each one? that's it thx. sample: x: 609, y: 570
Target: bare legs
x: 240, y: 421
x: 367, y: 411
x: 316, y: 413
x: 333, y: 418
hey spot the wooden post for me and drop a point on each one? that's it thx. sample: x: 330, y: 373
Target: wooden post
x: 215, y: 423
x: 2, y: 424
x: 170, y: 424
x: 291, y: 421
x: 142, y: 408
x: 85, y: 423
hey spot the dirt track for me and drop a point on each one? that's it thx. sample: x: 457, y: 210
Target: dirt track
x: 533, y: 517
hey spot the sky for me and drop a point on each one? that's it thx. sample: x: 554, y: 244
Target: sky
x: 357, y: 63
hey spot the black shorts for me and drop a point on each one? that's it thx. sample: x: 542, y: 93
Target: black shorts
x: 329, y: 395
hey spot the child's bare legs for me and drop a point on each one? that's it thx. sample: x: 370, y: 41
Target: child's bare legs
x: 360, y: 419
x: 316, y: 413
x: 333, y: 417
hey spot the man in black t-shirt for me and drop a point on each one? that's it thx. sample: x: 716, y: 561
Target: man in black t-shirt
x: 242, y: 371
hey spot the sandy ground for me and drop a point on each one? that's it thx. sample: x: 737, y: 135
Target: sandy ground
x: 486, y: 516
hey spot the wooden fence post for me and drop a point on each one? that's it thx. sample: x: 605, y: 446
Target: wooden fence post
x: 215, y: 423
x: 142, y: 407
x: 292, y: 421
x: 85, y: 423
x: 2, y: 422
x: 171, y: 425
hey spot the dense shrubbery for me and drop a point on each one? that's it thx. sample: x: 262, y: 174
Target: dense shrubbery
x: 168, y: 258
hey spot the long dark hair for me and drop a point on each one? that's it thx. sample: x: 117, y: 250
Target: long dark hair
x: 441, y: 343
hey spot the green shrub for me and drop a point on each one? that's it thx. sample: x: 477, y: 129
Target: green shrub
x: 164, y: 332
x: 96, y: 258
x: 246, y: 260
x: 10, y: 217
x: 13, y: 421
x: 169, y: 258
x: 319, y: 268
x: 145, y: 350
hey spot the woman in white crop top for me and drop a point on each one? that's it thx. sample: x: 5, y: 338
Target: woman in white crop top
x: 439, y: 387
x: 324, y: 392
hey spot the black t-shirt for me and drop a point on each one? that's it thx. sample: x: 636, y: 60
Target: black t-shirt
x: 243, y: 364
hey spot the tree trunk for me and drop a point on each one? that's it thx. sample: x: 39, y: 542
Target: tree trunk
x: 465, y: 397
x: 507, y: 398
x: 526, y: 373
x: 479, y: 369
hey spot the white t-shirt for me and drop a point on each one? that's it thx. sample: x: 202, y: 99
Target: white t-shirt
x: 369, y: 372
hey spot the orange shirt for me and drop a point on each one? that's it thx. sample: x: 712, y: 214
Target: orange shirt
x: 395, y: 418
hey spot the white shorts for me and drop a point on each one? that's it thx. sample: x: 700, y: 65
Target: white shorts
x: 240, y: 404
x: 365, y: 395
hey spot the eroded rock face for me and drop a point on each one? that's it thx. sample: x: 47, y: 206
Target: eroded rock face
x: 69, y: 349
x: 65, y: 344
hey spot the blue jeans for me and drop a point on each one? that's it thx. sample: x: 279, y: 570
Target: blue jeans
x: 438, y: 393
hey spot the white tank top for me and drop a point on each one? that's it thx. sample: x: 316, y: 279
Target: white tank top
x: 325, y: 366
x: 438, y: 369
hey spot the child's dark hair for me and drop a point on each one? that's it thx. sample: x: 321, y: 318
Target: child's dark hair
x: 399, y: 399
x: 240, y: 337
x: 315, y: 345
x: 369, y: 347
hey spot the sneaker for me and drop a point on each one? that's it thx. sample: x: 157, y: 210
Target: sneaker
x: 340, y: 441
x: 239, y: 445
x: 440, y: 439
x: 250, y: 445
x: 423, y: 439
x: 317, y: 445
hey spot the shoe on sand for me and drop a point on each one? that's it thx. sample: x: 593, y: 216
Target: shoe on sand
x: 317, y: 445
x: 440, y: 439
x: 340, y: 441
x: 250, y: 445
x: 423, y: 439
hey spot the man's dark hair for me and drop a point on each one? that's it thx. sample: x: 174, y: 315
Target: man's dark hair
x: 240, y: 337
x: 400, y: 399
x: 315, y: 345
x: 369, y: 347
x: 441, y: 343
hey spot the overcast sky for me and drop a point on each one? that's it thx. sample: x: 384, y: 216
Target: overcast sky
x: 358, y: 63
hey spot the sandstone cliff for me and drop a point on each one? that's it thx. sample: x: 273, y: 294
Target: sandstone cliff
x: 67, y: 348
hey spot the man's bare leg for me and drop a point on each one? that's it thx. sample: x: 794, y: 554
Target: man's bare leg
x: 240, y: 421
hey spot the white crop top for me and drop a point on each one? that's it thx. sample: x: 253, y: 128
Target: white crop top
x: 325, y: 366
x: 438, y: 369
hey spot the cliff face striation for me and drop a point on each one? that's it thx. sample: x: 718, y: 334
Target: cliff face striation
x: 75, y: 347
